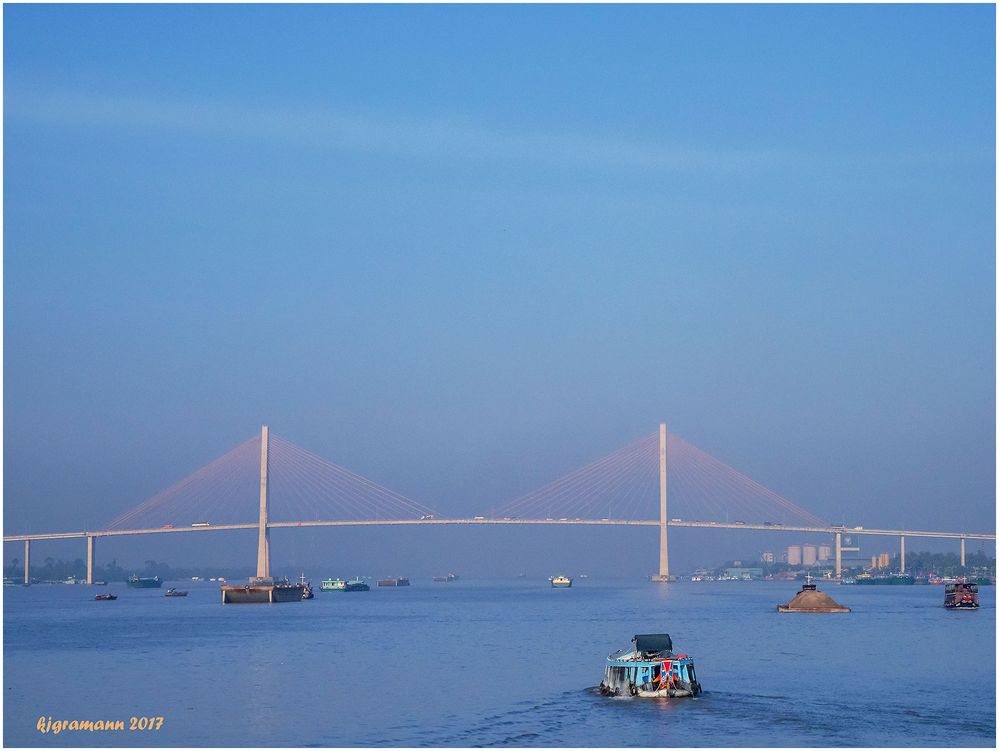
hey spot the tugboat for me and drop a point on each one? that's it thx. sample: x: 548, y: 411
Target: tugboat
x: 650, y: 670
x: 175, y: 593
x: 306, y: 588
x: 356, y: 585
x: 561, y: 581
x: 333, y: 585
x: 105, y: 597
x: 961, y: 596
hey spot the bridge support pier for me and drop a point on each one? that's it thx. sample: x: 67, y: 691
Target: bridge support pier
x: 663, y: 575
x: 962, y: 552
x: 90, y: 559
x: 839, y: 555
x: 901, y: 541
x: 27, y: 558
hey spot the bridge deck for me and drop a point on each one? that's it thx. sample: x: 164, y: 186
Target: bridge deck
x: 591, y: 522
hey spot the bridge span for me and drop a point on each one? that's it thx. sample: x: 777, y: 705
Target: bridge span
x: 645, y: 449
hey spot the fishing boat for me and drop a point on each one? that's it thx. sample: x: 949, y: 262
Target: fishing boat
x: 356, y: 585
x: 106, y: 597
x: 175, y: 593
x: 649, y: 670
x: 145, y: 582
x: 561, y: 581
x: 332, y: 585
x: 961, y: 595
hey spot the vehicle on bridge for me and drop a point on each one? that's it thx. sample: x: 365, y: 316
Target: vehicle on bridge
x: 650, y: 670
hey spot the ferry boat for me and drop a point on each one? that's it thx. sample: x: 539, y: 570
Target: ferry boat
x: 147, y: 582
x: 649, y: 670
x: 961, y: 595
x: 356, y: 585
x: 561, y: 581
x: 333, y: 585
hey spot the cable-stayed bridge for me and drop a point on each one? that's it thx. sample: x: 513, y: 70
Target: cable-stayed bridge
x: 267, y: 482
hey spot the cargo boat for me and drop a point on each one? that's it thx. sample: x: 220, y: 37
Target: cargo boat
x: 397, y: 582
x: 145, y: 582
x: 961, y: 596
x: 332, y: 585
x: 262, y: 590
x: 650, y: 670
x: 810, y: 600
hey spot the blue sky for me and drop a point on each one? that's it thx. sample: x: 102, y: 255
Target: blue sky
x: 465, y: 249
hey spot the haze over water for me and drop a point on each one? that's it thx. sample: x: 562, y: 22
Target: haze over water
x: 500, y: 663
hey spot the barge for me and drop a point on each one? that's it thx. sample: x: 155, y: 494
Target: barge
x: 260, y: 589
x: 394, y: 582
x: 145, y: 582
x: 810, y: 600
x: 650, y: 670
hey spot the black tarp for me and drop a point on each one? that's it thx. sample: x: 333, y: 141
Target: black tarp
x: 653, y: 643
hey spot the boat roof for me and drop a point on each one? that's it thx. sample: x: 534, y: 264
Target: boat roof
x: 652, y: 643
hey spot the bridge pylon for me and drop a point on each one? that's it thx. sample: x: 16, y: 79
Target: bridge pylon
x: 263, y: 535
x: 663, y: 575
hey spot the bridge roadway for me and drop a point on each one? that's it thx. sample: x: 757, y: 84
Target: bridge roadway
x: 606, y: 522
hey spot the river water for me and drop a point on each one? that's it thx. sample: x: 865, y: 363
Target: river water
x: 474, y: 663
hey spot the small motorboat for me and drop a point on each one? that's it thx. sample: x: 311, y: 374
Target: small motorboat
x: 175, y: 593
x: 650, y: 669
x: 106, y: 597
x: 961, y: 596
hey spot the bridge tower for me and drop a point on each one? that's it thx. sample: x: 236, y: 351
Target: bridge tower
x: 263, y: 534
x: 663, y: 575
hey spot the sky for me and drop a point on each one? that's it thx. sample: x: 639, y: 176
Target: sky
x: 465, y: 249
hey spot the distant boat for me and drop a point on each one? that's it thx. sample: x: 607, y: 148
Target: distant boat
x: 175, y: 593
x: 396, y: 582
x: 356, y: 585
x: 307, y: 591
x: 333, y: 585
x: 961, y: 595
x: 153, y: 582
x: 561, y: 581
x: 106, y: 597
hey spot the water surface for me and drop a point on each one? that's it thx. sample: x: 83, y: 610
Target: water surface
x: 498, y: 663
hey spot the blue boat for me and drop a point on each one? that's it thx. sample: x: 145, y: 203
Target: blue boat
x: 650, y: 669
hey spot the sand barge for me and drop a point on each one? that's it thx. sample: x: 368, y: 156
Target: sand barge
x: 810, y: 600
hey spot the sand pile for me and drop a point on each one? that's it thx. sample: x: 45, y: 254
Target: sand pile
x: 812, y: 601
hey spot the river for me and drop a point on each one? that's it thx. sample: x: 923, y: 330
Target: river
x: 484, y: 663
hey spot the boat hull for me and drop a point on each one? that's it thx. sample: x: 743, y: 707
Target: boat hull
x: 233, y: 594
x: 153, y: 583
